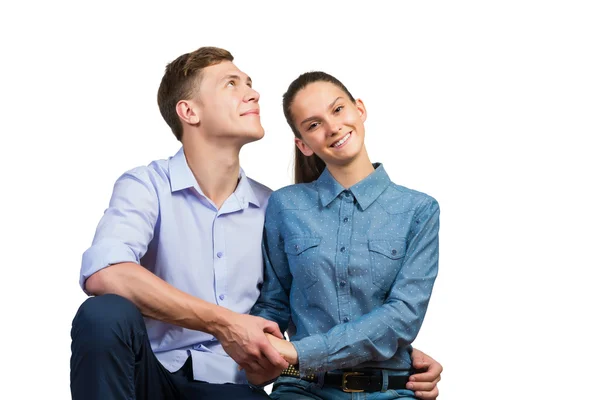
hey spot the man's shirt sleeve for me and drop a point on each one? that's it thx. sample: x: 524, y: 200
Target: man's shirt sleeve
x: 127, y: 226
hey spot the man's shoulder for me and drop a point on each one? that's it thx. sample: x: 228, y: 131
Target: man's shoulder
x: 262, y: 192
x: 155, y: 174
x: 259, y: 188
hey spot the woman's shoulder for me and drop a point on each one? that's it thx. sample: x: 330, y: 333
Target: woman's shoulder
x: 398, y: 198
x: 296, y: 196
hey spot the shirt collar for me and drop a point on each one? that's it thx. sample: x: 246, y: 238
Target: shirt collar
x: 244, y: 191
x: 181, y: 177
x: 180, y: 174
x: 365, y: 192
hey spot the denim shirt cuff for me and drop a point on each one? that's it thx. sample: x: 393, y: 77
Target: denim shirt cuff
x: 312, y: 354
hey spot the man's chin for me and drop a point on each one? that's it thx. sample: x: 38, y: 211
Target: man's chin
x: 250, y: 137
x: 256, y: 135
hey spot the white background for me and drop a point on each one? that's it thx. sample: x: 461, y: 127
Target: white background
x: 491, y: 107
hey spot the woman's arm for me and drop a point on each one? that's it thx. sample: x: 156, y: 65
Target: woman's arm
x: 274, y: 301
x: 424, y: 383
x: 377, y: 335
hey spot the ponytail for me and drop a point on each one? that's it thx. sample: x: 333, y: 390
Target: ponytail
x: 307, y: 169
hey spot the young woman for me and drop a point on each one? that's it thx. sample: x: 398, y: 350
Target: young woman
x: 351, y: 257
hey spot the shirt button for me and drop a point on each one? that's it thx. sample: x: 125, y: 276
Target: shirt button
x: 222, y: 297
x: 346, y: 219
x: 343, y: 283
x: 220, y: 254
x: 343, y: 249
x: 346, y: 319
x: 297, y: 247
x: 394, y: 252
x: 347, y: 194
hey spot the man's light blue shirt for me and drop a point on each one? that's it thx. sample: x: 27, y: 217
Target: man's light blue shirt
x: 159, y: 218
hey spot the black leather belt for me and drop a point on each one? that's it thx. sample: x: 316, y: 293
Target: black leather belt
x: 368, y: 380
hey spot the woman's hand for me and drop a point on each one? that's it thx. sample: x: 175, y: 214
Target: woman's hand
x: 285, y: 348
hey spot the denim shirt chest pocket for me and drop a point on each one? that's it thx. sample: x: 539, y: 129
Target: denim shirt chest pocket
x: 386, y: 257
x: 303, y: 258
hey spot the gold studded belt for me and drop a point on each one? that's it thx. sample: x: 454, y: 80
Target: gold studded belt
x: 364, y: 380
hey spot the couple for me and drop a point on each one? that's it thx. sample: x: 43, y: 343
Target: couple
x: 186, y: 305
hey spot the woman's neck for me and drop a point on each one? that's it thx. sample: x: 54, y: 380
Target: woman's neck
x: 355, y: 171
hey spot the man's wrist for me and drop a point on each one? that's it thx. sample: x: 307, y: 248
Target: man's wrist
x: 262, y: 385
x: 219, y: 322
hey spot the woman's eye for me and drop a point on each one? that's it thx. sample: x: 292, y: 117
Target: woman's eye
x: 338, y: 109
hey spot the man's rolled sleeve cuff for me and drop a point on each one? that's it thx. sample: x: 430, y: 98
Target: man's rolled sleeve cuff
x: 312, y: 354
x: 101, y: 255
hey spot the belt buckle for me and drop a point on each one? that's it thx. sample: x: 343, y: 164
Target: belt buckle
x: 345, y: 381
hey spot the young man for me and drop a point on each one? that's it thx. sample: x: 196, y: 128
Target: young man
x: 180, y: 244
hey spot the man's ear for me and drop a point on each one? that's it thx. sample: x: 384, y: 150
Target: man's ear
x: 188, y: 112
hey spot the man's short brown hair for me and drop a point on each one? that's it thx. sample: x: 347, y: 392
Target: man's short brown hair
x: 181, y: 78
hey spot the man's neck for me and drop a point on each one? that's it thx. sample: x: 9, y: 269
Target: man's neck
x: 216, y: 168
x: 354, y: 172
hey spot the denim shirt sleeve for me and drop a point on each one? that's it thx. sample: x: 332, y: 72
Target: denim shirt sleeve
x: 126, y: 227
x: 377, y: 335
x: 273, y: 303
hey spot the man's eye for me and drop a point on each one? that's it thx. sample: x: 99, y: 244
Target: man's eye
x: 312, y: 126
x: 231, y: 83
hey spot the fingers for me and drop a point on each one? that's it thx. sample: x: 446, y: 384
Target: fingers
x: 427, y: 376
x: 430, y: 372
x: 423, y: 386
x: 272, y: 328
x: 422, y: 361
x: 273, y: 356
x: 428, y: 395
x: 264, y: 364
x: 255, y: 367
x: 417, y: 354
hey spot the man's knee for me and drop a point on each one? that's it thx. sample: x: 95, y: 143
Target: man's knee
x: 102, y: 318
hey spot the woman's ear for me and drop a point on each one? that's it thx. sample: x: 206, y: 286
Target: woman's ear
x: 362, y: 110
x: 307, y: 151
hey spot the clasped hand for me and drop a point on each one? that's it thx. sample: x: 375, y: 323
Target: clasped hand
x: 263, y: 375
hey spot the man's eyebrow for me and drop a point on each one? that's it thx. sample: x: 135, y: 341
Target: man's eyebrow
x: 330, y: 106
x: 236, y: 77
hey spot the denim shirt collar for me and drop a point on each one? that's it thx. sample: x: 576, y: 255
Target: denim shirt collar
x: 365, y: 192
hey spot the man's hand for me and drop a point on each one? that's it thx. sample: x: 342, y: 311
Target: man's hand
x: 285, y: 348
x: 243, y: 338
x: 264, y: 376
x: 424, y: 383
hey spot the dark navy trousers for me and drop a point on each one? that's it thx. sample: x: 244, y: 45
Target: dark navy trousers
x: 111, y: 359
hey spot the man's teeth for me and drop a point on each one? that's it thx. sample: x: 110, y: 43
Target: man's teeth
x: 341, y: 141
